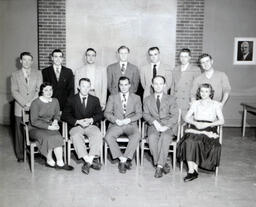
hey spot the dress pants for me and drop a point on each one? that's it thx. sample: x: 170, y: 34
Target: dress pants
x: 159, y: 143
x: 95, y: 140
x: 132, y: 133
x: 19, y: 138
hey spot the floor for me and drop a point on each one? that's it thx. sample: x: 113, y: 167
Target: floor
x: 235, y: 185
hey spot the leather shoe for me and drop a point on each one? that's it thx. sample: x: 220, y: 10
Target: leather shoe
x: 96, y: 165
x: 86, y: 168
x: 122, y: 167
x: 166, y: 168
x: 64, y: 167
x: 20, y: 160
x: 128, y: 164
x: 159, y: 172
x: 191, y: 176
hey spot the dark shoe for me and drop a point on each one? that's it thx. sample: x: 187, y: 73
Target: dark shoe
x: 191, y: 176
x: 20, y: 160
x: 122, y: 167
x: 96, y: 165
x: 166, y: 168
x: 159, y: 172
x: 128, y: 164
x: 64, y: 167
x: 86, y: 168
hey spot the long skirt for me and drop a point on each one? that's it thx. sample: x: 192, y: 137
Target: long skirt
x: 200, y: 148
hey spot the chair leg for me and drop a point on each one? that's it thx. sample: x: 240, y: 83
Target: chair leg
x: 25, y: 152
x: 65, y: 152
x: 137, y: 155
x: 101, y: 154
x: 105, y: 152
x: 216, y: 171
x: 174, y: 158
x: 181, y: 166
x: 142, y: 153
x: 69, y: 152
x: 32, y: 161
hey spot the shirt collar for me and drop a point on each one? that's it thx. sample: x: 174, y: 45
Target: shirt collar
x: 26, y: 71
x: 81, y: 96
x: 55, y: 67
x: 157, y: 64
x: 121, y: 63
x: 184, y: 67
x: 161, y: 95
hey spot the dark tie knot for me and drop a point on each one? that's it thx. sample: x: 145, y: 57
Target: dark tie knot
x: 154, y: 71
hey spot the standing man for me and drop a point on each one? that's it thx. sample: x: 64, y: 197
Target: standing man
x: 184, y: 75
x: 122, y: 68
x: 161, y: 113
x: 60, y: 77
x: 82, y: 112
x: 97, y: 75
x: 218, y: 80
x: 154, y: 68
x: 25, y: 85
x: 123, y: 111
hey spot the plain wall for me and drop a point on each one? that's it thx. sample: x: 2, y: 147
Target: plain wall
x: 18, y: 33
x: 225, y: 20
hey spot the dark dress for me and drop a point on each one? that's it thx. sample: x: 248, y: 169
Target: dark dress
x: 41, y: 116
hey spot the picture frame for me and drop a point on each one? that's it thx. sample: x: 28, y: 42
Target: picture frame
x: 244, y: 51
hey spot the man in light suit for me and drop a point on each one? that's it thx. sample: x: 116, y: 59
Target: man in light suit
x: 60, y: 77
x: 122, y: 68
x: 155, y: 67
x: 123, y: 110
x: 161, y: 113
x: 97, y: 75
x: 82, y: 112
x: 25, y: 84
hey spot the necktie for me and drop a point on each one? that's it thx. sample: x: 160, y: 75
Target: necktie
x: 154, y: 71
x: 123, y: 68
x: 124, y: 104
x: 158, y: 103
x: 84, y: 103
x: 27, y: 77
x: 58, y: 73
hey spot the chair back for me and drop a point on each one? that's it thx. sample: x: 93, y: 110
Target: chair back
x: 25, y: 123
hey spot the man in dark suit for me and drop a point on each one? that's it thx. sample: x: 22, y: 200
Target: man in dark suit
x: 161, y: 113
x: 82, y: 112
x: 123, y: 110
x: 60, y: 77
x: 245, y: 53
x: 122, y: 68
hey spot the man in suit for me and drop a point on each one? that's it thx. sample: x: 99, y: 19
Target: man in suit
x: 161, y: 113
x: 97, y: 75
x: 82, y: 112
x: 60, y: 77
x: 155, y: 67
x: 123, y: 110
x: 245, y: 54
x: 122, y: 68
x: 25, y: 85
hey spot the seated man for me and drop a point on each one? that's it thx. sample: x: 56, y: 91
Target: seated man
x: 123, y: 110
x: 161, y: 113
x: 82, y: 112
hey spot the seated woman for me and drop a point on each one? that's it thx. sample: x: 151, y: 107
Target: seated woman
x: 200, y: 145
x: 44, y: 117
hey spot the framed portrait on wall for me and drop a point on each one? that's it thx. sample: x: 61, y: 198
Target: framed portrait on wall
x: 244, y: 51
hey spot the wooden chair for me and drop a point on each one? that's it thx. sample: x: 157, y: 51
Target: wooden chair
x: 70, y: 145
x: 121, y: 139
x: 219, y: 130
x: 173, y: 145
x: 30, y: 146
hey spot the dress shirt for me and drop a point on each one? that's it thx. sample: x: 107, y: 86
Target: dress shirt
x: 81, y: 97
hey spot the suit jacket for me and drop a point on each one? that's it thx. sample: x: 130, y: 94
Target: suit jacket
x: 146, y: 75
x: 114, y: 73
x: 63, y: 88
x: 247, y: 58
x: 168, y: 113
x: 75, y: 110
x: 22, y: 92
x: 114, y: 109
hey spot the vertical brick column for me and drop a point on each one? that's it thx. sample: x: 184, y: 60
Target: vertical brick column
x: 51, y: 29
x: 189, y: 27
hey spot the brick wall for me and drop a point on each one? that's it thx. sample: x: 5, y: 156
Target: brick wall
x: 51, y: 29
x: 189, y: 27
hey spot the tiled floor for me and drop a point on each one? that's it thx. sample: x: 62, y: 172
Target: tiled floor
x: 235, y: 185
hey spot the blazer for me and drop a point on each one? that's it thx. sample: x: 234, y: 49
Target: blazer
x: 63, y: 88
x: 114, y: 109
x: 247, y: 58
x: 168, y: 113
x: 100, y: 83
x: 22, y: 92
x: 114, y: 73
x: 146, y: 75
x: 75, y: 110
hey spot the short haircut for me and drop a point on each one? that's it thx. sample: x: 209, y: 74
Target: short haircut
x: 57, y: 50
x: 123, y: 47
x: 186, y: 50
x: 25, y: 54
x: 158, y: 76
x: 42, y: 86
x: 204, y: 85
x: 124, y: 78
x: 203, y: 56
x: 90, y: 49
x: 84, y: 79
x: 153, y: 48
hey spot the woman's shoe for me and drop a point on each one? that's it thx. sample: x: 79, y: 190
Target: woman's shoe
x: 64, y: 167
x: 191, y: 176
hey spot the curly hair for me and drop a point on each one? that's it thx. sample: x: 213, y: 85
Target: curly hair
x: 42, y: 86
x: 204, y: 85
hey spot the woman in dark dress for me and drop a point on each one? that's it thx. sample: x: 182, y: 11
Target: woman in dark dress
x: 200, y: 145
x: 44, y: 117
